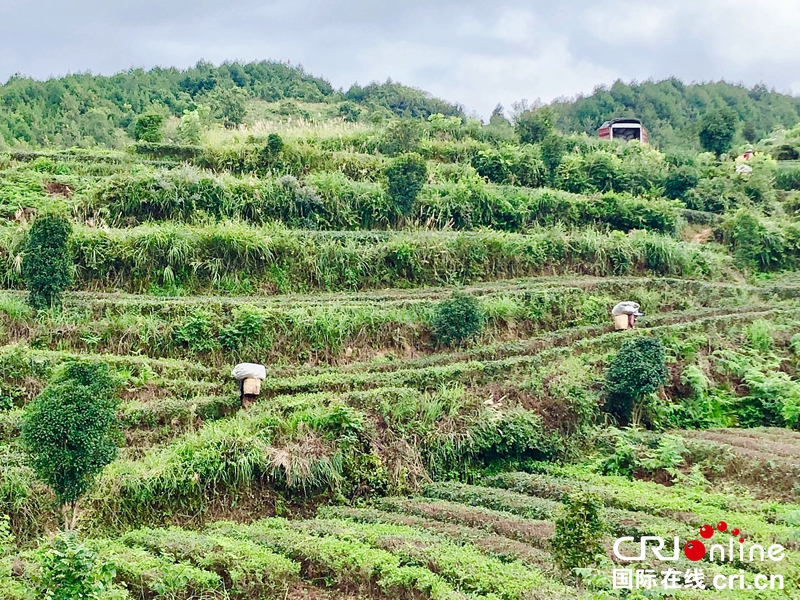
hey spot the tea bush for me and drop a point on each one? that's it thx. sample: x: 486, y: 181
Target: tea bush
x: 457, y: 319
x: 71, y: 431
x: 579, y: 533
x: 46, y: 262
x: 70, y: 570
x: 406, y: 176
x: 638, y: 369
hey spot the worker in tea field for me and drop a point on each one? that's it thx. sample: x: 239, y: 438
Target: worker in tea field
x: 625, y: 314
x: 250, y: 376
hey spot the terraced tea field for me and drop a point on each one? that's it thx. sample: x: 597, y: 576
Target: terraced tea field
x: 441, y: 416
x: 360, y: 404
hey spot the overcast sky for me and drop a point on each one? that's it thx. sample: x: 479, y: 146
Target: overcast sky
x: 475, y: 53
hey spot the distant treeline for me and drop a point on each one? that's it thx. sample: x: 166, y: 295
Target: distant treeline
x: 670, y: 109
x: 86, y: 109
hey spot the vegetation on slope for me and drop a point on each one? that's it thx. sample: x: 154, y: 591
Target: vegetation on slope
x: 430, y: 295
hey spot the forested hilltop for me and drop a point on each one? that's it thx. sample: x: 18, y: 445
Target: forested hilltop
x: 671, y: 109
x: 84, y: 109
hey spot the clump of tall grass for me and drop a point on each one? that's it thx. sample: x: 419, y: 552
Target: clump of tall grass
x: 216, y: 255
x: 328, y: 198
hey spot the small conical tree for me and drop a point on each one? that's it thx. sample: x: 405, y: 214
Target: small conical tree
x: 71, y: 432
x: 149, y: 128
x: 717, y: 129
x: 406, y: 176
x: 638, y: 369
x: 46, y: 262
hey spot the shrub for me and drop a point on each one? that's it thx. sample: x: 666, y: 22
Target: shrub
x: 190, y: 127
x: 148, y: 128
x: 638, y: 369
x: 230, y: 105
x: 514, y: 436
x: 756, y: 243
x: 602, y: 171
x: 148, y: 576
x: 533, y: 126
x: 509, y: 164
x: 579, y: 532
x: 788, y: 178
x: 716, y: 131
x: 251, y: 570
x: 248, y: 324
x: 553, y: 149
x: 274, y: 143
x: 679, y: 181
x: 46, y: 264
x: 349, y: 111
x: 197, y: 333
x: 406, y: 176
x: 402, y: 136
x: 457, y: 319
x: 71, y: 431
x: 71, y: 571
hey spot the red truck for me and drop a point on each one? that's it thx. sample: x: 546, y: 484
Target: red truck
x: 623, y: 129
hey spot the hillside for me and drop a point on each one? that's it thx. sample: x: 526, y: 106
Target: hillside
x: 431, y: 300
x: 671, y: 109
x: 85, y: 109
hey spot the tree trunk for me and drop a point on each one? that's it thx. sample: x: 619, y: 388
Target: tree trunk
x: 69, y: 512
x: 74, y: 516
x: 65, y: 516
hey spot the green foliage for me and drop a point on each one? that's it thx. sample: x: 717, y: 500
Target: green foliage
x: 190, y: 128
x: 533, y: 126
x: 513, y: 436
x: 401, y: 100
x: 638, y: 369
x: 670, y: 109
x: 326, y: 201
x: 679, y: 181
x: 229, y: 104
x: 457, y: 319
x: 749, y: 132
x: 71, y: 431
x: 717, y: 129
x: 197, y: 332
x: 635, y: 452
x: 205, y: 257
x: 343, y: 560
x: 349, y: 111
x: 274, y: 143
x: 149, y: 128
x: 249, y: 569
x: 766, y: 396
x: 247, y: 327
x: 148, y: 576
x: 71, y: 571
x: 579, y: 533
x: 757, y: 243
x: 788, y: 178
x: 406, y: 175
x: 510, y: 165
x: 401, y: 137
x: 46, y: 264
x: 553, y: 150
x: 84, y: 109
